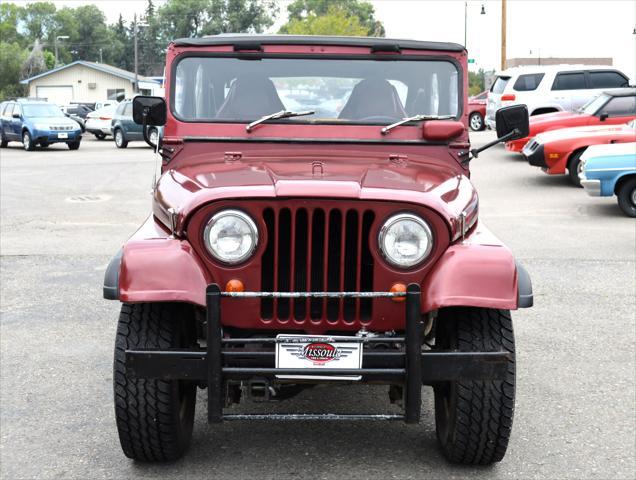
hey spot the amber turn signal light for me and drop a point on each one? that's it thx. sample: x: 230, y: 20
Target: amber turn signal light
x: 234, y: 285
x: 398, y: 288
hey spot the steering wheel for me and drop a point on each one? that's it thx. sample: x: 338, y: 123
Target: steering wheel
x: 380, y: 119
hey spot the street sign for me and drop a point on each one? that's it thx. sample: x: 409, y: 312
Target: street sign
x: 471, y: 60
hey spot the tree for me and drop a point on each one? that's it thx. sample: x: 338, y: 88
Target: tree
x: 476, y: 82
x: 12, y: 56
x: 92, y: 33
x: 120, y: 52
x: 10, y: 15
x: 37, y: 19
x: 334, y: 22
x: 300, y: 10
x: 191, y: 18
x: 151, y: 44
x: 35, y: 63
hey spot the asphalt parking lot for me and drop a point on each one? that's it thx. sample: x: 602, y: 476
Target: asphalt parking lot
x: 64, y: 213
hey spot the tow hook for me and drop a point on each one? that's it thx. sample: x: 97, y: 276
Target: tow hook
x: 259, y: 390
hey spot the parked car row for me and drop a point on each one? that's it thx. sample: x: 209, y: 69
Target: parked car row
x: 37, y: 122
x: 548, y: 89
x: 595, y: 146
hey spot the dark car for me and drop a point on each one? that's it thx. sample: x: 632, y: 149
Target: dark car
x: 77, y: 109
x: 126, y: 130
x: 290, y: 247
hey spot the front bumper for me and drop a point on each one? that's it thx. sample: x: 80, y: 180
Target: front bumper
x: 226, y: 360
x: 53, y: 136
x: 592, y: 187
x: 534, y: 153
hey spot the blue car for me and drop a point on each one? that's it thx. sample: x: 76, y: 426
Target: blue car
x: 34, y: 122
x: 611, y: 170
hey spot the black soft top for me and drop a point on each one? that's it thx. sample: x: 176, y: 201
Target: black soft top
x: 384, y: 44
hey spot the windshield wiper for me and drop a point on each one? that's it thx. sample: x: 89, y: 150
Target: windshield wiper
x: 415, y: 118
x: 276, y: 116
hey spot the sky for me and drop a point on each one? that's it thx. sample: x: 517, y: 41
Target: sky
x: 547, y: 28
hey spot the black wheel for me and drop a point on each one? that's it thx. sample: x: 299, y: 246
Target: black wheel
x: 120, y: 139
x: 476, y: 122
x: 154, y: 417
x: 100, y: 135
x: 473, y: 419
x: 575, y: 166
x: 27, y: 141
x: 626, y: 194
x: 3, y: 140
x: 74, y: 145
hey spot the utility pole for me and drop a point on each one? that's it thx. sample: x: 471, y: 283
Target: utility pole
x: 136, y: 72
x: 465, y: 22
x: 503, y: 34
x: 101, y: 60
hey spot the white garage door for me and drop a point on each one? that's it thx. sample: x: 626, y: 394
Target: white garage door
x: 60, y: 95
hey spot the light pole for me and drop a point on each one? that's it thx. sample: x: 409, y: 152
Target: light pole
x: 483, y: 12
x: 136, y: 26
x: 503, y: 34
x: 59, y: 37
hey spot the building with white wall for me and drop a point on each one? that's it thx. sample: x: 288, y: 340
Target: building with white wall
x: 89, y: 82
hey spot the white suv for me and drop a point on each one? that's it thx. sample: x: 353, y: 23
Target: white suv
x: 553, y: 88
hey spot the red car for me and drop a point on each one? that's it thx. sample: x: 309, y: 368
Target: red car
x: 477, y: 111
x: 612, y: 107
x: 560, y: 150
x: 289, y: 247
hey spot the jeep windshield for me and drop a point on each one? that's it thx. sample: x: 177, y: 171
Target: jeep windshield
x: 337, y: 90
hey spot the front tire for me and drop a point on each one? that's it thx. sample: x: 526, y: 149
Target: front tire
x: 120, y: 140
x: 574, y: 167
x: 100, y: 135
x: 154, y: 417
x: 74, y: 145
x: 626, y: 195
x: 476, y: 122
x: 3, y: 141
x: 27, y: 141
x: 473, y: 419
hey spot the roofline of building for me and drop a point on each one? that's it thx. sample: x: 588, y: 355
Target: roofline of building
x: 95, y: 66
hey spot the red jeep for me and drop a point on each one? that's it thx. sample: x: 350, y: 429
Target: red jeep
x: 314, y: 222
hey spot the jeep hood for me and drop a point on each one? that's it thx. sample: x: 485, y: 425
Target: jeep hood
x: 417, y: 179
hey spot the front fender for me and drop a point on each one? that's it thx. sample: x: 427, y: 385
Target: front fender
x: 478, y: 272
x: 154, y: 267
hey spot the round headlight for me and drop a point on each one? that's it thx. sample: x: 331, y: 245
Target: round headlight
x: 405, y: 240
x: 231, y: 236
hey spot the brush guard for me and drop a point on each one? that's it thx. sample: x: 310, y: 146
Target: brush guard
x: 410, y: 367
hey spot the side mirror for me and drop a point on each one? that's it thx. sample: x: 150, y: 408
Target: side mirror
x: 16, y: 115
x: 512, y: 122
x: 603, y: 117
x: 149, y: 110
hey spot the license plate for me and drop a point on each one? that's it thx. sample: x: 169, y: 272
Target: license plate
x: 318, y: 352
x: 62, y: 135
